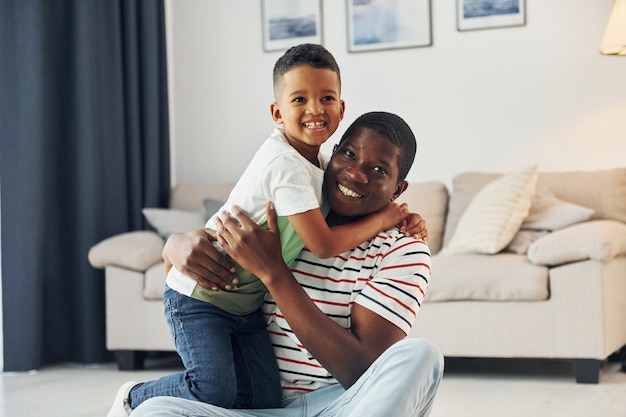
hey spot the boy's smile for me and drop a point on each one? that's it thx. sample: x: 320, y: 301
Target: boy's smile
x: 309, y: 106
x: 362, y: 175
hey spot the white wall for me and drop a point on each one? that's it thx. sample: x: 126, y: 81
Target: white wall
x: 495, y: 100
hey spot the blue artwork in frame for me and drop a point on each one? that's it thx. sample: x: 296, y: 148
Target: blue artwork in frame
x: 290, y: 22
x: 388, y: 24
x: 484, y: 14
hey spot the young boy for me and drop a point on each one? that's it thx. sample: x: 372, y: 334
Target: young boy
x: 221, y: 334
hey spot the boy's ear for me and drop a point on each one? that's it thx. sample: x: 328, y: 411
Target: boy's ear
x: 400, y: 188
x: 275, y: 111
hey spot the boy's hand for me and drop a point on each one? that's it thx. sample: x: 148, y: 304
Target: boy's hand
x: 414, y: 225
x: 392, y: 214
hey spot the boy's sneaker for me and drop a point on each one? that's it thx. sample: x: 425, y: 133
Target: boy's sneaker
x: 121, y: 405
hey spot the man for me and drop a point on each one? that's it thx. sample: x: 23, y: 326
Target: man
x: 338, y: 325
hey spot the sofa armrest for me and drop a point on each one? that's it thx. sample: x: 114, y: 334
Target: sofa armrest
x: 133, y: 250
x: 597, y: 240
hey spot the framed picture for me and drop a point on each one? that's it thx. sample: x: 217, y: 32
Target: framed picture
x: 484, y: 14
x: 388, y: 24
x: 290, y: 22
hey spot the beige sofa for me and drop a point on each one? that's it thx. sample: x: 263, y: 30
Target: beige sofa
x: 565, y: 297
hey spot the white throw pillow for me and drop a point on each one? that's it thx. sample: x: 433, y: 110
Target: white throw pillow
x: 596, y: 239
x: 547, y: 213
x: 495, y: 214
x: 169, y: 221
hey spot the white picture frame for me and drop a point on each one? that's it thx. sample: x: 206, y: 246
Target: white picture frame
x: 287, y: 23
x: 488, y: 14
x: 388, y: 24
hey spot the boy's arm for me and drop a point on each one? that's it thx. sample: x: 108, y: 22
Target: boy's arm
x: 324, y: 241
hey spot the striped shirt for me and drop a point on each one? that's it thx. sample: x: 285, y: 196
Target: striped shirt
x: 387, y: 275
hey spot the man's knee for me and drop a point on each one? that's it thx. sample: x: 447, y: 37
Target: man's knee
x: 176, y: 407
x: 150, y: 407
x: 420, y: 354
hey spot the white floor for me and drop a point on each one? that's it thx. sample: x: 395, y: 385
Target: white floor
x: 470, y: 388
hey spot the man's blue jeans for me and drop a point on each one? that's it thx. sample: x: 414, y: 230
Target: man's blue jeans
x: 228, y: 359
x: 402, y: 382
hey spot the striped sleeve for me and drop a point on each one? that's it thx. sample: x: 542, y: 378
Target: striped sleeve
x: 397, y: 288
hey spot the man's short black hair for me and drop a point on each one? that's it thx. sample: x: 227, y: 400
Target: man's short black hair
x: 393, y: 128
x: 310, y: 54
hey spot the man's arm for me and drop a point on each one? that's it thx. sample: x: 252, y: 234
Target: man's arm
x: 193, y: 254
x: 346, y: 355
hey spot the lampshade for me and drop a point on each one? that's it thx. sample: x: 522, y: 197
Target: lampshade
x: 614, y: 39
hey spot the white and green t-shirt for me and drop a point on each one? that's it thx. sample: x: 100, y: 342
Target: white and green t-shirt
x: 276, y: 173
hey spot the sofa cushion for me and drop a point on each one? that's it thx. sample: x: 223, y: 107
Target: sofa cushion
x: 210, y: 206
x: 169, y: 221
x: 430, y: 200
x: 547, y: 213
x: 501, y: 277
x: 494, y: 215
x: 603, y: 191
x: 597, y: 239
x: 154, y: 282
x: 133, y: 250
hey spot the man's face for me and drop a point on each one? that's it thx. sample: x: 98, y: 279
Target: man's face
x: 309, y: 106
x: 362, y: 175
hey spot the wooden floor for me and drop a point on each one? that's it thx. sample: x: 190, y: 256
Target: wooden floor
x: 470, y: 388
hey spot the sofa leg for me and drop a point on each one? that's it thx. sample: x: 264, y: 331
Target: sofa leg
x: 619, y: 356
x: 587, y: 371
x: 129, y: 360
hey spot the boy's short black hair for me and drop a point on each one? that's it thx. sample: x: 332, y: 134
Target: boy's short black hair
x: 310, y: 54
x: 393, y: 128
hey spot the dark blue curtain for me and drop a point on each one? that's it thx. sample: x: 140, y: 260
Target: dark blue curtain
x: 84, y: 146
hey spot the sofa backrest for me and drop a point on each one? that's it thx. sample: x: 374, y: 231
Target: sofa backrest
x: 191, y: 196
x: 430, y: 200
x: 604, y: 191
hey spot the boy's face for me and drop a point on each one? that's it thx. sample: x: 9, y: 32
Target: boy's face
x: 362, y: 175
x: 309, y: 106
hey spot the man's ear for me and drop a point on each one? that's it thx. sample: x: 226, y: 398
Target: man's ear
x: 275, y: 111
x: 400, y: 188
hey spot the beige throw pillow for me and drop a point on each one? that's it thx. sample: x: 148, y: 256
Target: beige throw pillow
x: 495, y: 214
x: 547, y: 213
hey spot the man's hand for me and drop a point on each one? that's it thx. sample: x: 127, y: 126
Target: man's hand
x: 256, y: 249
x: 193, y: 254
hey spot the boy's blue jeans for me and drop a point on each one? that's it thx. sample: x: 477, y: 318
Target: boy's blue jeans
x: 402, y: 382
x: 228, y: 359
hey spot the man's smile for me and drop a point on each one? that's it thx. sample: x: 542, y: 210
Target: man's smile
x: 348, y: 192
